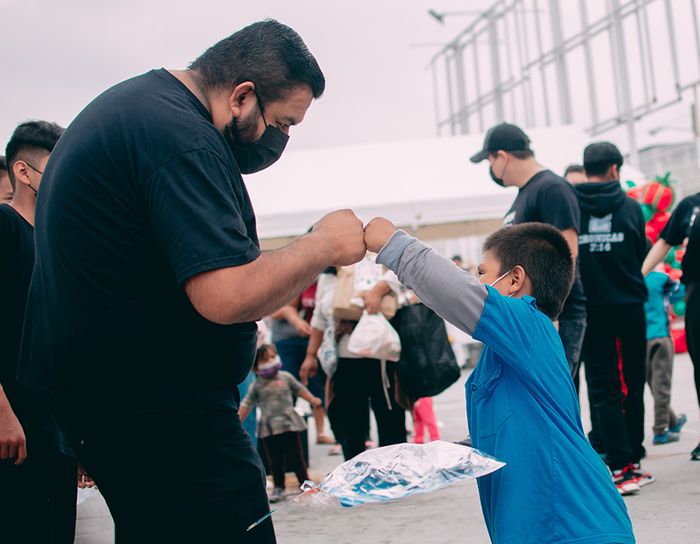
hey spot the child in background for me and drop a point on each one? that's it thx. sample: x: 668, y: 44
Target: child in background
x: 279, y: 426
x: 423, y: 415
x: 522, y: 407
x: 661, y: 287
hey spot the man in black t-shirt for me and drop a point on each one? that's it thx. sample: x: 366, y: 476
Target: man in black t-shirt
x: 37, y: 470
x: 685, y: 224
x: 149, y: 279
x: 613, y: 245
x: 543, y: 197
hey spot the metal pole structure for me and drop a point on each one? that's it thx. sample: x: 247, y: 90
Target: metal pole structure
x: 496, y: 67
x: 450, y: 104
x: 590, y: 75
x: 540, y: 50
x: 436, y: 100
x: 477, y: 81
x: 621, y: 74
x: 560, y: 63
x: 461, y: 91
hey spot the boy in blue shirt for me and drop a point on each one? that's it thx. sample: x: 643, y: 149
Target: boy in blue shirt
x: 522, y: 407
x: 662, y: 290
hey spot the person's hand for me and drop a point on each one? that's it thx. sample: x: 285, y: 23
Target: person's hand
x: 84, y: 479
x: 377, y: 233
x: 373, y: 302
x: 316, y: 402
x: 341, y: 237
x: 302, y: 327
x: 13, y: 443
x: 308, y: 369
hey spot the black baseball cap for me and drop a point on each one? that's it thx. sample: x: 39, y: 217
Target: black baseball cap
x: 602, y: 152
x: 503, y: 137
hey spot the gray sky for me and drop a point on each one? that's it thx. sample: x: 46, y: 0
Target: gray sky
x: 58, y: 55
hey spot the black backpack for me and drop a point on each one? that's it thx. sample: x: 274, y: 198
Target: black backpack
x: 427, y: 365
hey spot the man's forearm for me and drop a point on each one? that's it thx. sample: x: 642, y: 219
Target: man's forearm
x: 256, y: 289
x: 656, y: 254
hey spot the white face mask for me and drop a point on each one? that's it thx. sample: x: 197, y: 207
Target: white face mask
x: 493, y: 284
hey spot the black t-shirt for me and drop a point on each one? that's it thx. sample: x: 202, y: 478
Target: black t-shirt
x: 612, y: 245
x: 548, y: 198
x: 141, y: 193
x: 16, y: 262
x: 678, y: 229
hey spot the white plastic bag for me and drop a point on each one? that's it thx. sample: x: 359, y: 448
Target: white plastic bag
x: 375, y: 338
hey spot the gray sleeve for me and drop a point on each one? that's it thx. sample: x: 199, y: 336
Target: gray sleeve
x: 453, y: 293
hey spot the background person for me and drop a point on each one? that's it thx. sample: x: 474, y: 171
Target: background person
x: 38, y: 471
x: 575, y: 173
x: 279, y: 426
x: 685, y: 224
x: 543, y: 197
x: 5, y: 184
x: 613, y: 245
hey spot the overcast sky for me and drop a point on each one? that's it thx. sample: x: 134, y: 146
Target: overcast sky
x: 58, y: 55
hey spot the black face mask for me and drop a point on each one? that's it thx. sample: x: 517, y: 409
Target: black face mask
x: 258, y: 155
x: 499, y: 181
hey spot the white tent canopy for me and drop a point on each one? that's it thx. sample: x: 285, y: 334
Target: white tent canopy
x: 413, y: 183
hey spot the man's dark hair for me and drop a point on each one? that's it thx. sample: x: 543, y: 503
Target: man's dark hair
x: 3, y: 164
x: 522, y: 154
x: 544, y: 254
x: 268, y: 53
x: 574, y: 168
x: 600, y: 168
x: 28, y: 137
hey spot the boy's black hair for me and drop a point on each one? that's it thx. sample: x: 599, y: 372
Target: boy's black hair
x: 268, y: 53
x: 574, y: 168
x: 544, y: 254
x: 3, y: 164
x: 30, y: 136
x: 599, y: 168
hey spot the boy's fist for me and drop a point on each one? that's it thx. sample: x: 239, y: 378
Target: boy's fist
x: 377, y: 233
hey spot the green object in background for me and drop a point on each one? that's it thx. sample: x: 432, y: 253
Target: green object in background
x: 647, y: 211
x: 679, y: 308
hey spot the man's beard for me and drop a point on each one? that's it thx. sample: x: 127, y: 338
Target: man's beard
x: 242, y: 131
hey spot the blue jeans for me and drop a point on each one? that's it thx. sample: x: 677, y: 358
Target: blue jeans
x: 293, y: 352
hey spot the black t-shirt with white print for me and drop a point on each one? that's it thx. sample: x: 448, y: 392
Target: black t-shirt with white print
x: 548, y: 198
x: 685, y: 223
x: 141, y: 193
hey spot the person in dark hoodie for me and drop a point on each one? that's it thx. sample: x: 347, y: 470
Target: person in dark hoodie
x: 612, y: 247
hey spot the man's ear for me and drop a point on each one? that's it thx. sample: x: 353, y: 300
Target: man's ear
x: 20, y: 171
x: 518, y: 279
x: 241, y: 96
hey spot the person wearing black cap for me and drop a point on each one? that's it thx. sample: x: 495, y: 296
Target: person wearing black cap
x: 685, y: 224
x: 543, y: 197
x: 613, y: 245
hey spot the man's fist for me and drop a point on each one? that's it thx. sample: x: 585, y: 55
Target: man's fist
x: 377, y: 233
x: 341, y: 237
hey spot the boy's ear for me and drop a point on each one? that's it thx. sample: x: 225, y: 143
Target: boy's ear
x: 518, y: 281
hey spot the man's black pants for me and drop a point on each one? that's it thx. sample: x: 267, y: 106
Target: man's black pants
x: 185, y: 474
x: 614, y: 350
x: 37, y: 499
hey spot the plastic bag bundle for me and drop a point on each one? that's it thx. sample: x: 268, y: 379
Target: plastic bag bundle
x: 394, y: 472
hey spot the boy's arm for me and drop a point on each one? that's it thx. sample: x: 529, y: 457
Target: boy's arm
x: 453, y: 293
x: 305, y: 394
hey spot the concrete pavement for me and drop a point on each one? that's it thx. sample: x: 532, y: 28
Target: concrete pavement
x: 666, y: 511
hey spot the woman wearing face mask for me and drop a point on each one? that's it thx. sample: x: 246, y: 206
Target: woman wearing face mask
x: 279, y: 426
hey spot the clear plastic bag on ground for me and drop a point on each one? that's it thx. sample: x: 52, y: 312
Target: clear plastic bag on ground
x: 394, y: 472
